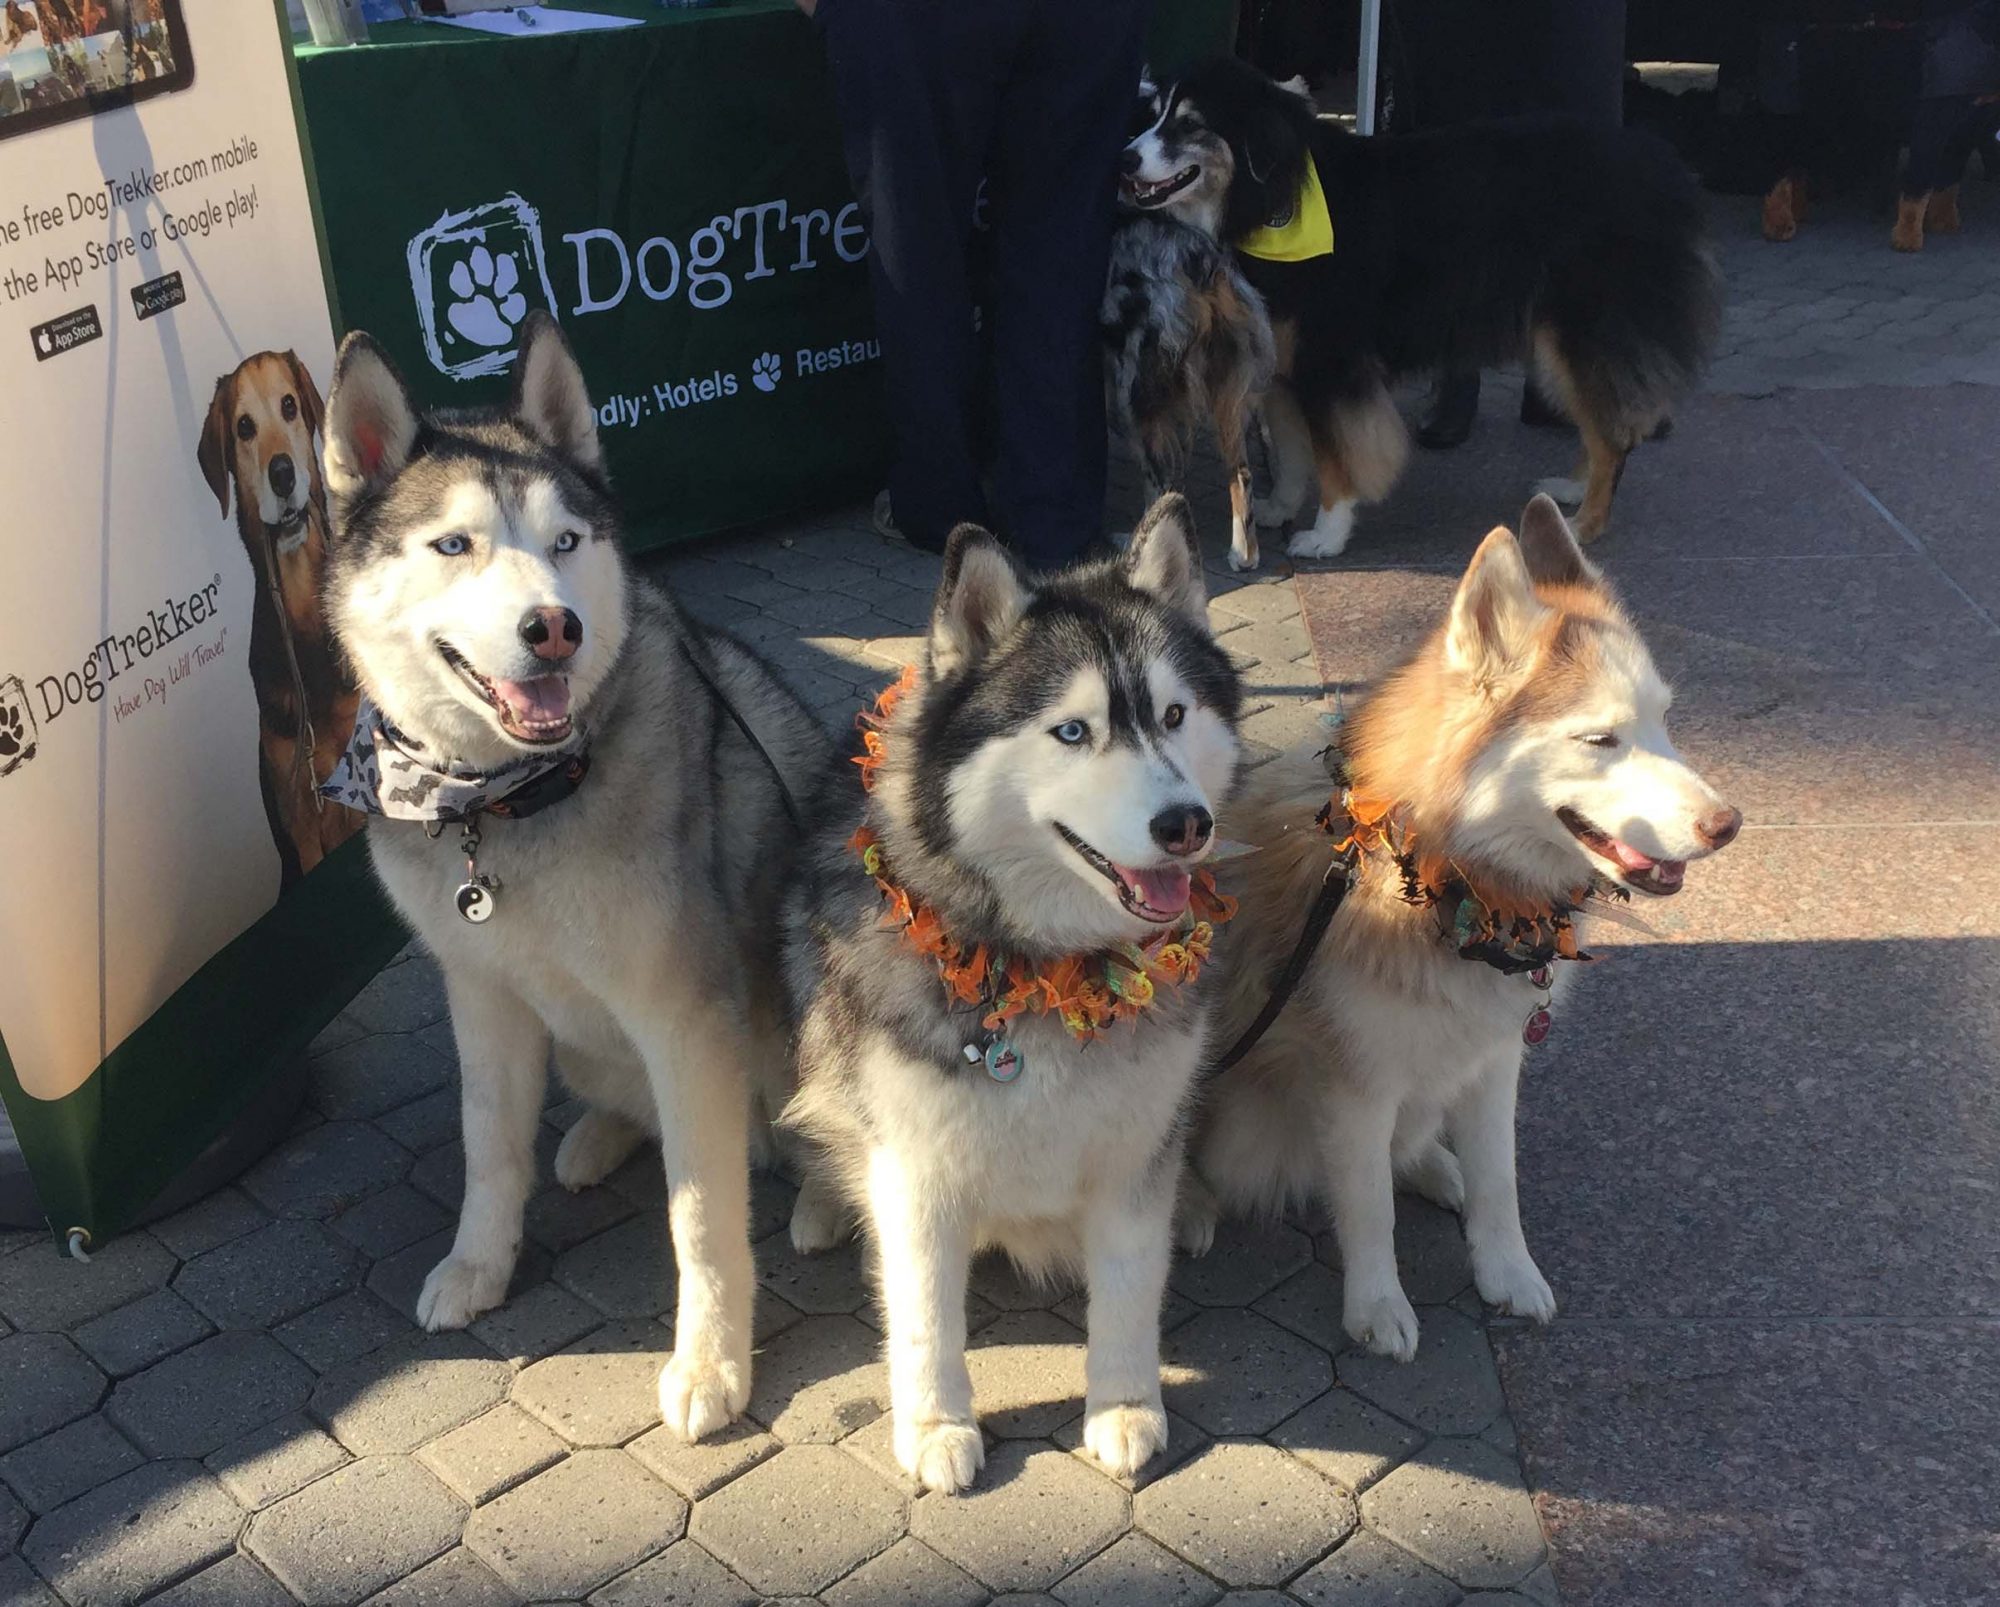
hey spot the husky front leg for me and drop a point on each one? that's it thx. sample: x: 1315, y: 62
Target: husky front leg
x: 1127, y: 1243
x: 503, y: 1057
x: 1356, y: 1136
x: 1482, y: 1126
x: 925, y: 1246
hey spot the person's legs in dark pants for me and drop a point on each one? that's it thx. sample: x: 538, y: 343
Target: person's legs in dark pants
x: 917, y: 83
x: 1940, y: 144
x: 1061, y: 123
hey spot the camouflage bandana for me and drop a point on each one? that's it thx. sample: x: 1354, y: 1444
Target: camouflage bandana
x: 385, y: 772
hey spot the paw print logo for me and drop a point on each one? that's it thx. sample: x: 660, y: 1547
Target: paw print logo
x: 487, y: 301
x: 765, y: 370
x: 17, y: 726
x: 474, y: 275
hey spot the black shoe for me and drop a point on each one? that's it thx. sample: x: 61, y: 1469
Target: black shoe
x: 1454, y: 405
x: 1539, y: 411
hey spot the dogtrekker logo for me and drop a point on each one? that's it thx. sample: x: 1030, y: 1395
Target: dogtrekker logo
x: 474, y: 274
x: 17, y: 726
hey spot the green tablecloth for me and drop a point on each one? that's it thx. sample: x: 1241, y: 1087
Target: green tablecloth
x: 673, y: 192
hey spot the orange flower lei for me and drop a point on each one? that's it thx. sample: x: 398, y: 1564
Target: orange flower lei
x: 1090, y: 992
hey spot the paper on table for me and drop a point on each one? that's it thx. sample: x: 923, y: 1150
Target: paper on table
x: 529, y: 22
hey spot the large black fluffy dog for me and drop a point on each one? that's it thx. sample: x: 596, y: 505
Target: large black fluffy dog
x: 1579, y: 248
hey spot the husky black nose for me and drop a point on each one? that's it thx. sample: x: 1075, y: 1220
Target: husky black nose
x: 552, y: 633
x: 282, y: 474
x: 1183, y: 829
x: 1129, y: 162
x: 1719, y: 829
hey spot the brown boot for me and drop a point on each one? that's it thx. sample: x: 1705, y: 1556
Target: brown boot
x: 1781, y: 210
x: 1941, y: 215
x: 1908, y: 235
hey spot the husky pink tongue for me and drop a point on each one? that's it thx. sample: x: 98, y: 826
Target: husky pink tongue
x: 543, y: 701
x: 1163, y: 888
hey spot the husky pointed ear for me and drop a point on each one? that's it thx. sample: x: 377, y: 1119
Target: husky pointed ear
x: 1164, y: 560
x: 1550, y: 547
x: 979, y: 596
x: 550, y: 396
x: 370, y: 427
x: 1494, y: 615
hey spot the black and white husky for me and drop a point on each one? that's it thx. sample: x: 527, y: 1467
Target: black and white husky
x: 572, y: 820
x: 1046, y: 787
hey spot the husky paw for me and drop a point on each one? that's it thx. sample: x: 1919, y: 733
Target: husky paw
x: 1194, y: 1222
x: 1433, y: 1173
x: 1510, y: 1282
x: 595, y: 1147
x: 819, y: 1218
x: 1386, y: 1323
x: 457, y: 1291
x: 1562, y: 489
x: 940, y: 1455
x: 1125, y: 1437
x: 699, y: 1394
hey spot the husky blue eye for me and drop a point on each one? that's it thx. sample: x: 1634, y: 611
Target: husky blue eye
x: 451, y: 546
x: 1070, y: 732
x: 1599, y: 739
x: 568, y: 541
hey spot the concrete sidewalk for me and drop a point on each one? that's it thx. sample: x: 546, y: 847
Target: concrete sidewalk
x: 1759, y: 1155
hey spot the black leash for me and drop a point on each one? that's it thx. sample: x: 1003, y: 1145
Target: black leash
x: 1326, y: 903
x: 784, y: 788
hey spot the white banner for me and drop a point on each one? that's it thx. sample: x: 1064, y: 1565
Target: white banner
x: 167, y: 694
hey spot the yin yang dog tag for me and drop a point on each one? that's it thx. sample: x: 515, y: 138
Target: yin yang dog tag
x: 475, y: 899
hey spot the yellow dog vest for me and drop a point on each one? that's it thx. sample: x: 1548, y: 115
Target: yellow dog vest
x: 1307, y: 232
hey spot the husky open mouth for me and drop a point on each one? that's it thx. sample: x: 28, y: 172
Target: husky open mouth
x: 534, y: 711
x: 1141, y: 194
x: 1158, y: 893
x: 1660, y: 877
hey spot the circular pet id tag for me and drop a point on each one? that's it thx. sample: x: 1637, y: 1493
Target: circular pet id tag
x: 1535, y: 1029
x: 475, y: 899
x: 1003, y: 1061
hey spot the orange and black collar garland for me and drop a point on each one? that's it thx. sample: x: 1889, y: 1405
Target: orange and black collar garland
x: 1090, y: 993
x: 1509, y: 934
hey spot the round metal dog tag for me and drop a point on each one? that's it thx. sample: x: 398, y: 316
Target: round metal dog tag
x: 1003, y: 1061
x: 475, y: 902
x: 1536, y: 1028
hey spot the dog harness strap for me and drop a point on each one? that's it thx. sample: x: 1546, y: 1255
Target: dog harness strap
x: 1325, y: 905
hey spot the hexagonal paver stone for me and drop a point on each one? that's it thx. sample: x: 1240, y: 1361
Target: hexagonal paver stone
x: 1136, y: 1573
x: 535, y: 1323
x: 389, y: 1220
x: 126, y: 1539
x: 1431, y: 1252
x: 1032, y: 1516
x: 626, y: 1272
x: 1184, y: 1441
x: 406, y: 995
x: 819, y: 1381
x: 200, y: 1400
x: 794, y: 1524
x: 605, y: 1389
x: 42, y: 1289
x: 264, y: 1277
x: 1460, y: 1506
x: 139, y: 1334
x: 344, y: 1537
x: 19, y: 1587
x: 825, y: 1284
x: 996, y: 1280
x: 1343, y: 1437
x: 1234, y: 1372
x: 457, y: 1579
x: 13, y: 1522
x: 1027, y: 1374
x: 1246, y: 1513
x: 423, y: 1124
x: 269, y: 1463
x: 235, y: 1581
x: 696, y: 1470
x: 408, y: 1392
x: 556, y: 1218
x: 1248, y: 1259
x: 61, y: 1466
x: 681, y: 1576
x: 1308, y: 1303
x: 326, y: 1169
x: 346, y: 1327
x: 1370, y: 1572
x: 908, y: 1574
x: 224, y: 1215
x: 44, y: 1383
x: 492, y: 1453
x: 376, y: 1074
x: 587, y: 1520
x: 1451, y: 1388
